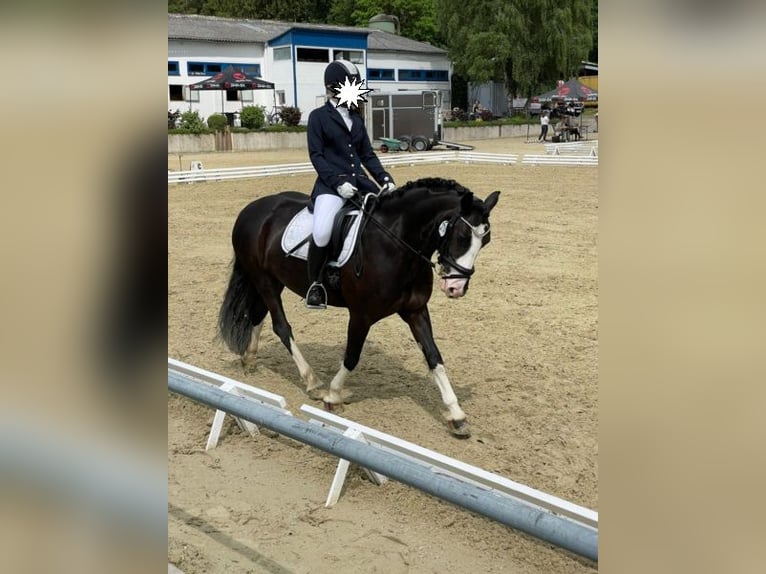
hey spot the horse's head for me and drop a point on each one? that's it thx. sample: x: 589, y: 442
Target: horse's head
x: 461, y: 238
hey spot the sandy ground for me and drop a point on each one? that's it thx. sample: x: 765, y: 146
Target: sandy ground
x: 521, y: 350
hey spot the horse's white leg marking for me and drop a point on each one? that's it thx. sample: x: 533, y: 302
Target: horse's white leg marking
x: 448, y: 395
x: 307, y: 373
x: 248, y: 359
x: 334, y: 396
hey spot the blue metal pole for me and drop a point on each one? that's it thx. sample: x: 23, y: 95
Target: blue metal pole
x: 557, y: 530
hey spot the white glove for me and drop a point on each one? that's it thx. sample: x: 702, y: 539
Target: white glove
x: 346, y: 190
x: 388, y: 187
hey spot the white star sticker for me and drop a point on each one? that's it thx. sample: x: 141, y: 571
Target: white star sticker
x: 350, y: 93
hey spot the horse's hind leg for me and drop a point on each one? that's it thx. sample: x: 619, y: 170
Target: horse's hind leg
x: 420, y: 325
x: 271, y: 290
x: 248, y: 358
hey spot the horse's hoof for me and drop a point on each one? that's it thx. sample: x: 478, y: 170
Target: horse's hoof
x: 460, y: 429
x: 316, y: 394
x: 333, y: 407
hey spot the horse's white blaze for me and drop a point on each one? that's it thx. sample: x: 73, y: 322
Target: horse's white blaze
x: 455, y: 288
x: 448, y: 395
x: 305, y: 370
x: 334, y: 395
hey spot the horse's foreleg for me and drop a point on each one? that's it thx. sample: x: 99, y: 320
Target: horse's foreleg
x: 283, y: 330
x: 356, y: 335
x: 420, y: 325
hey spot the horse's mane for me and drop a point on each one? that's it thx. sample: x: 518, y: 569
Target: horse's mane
x: 435, y: 184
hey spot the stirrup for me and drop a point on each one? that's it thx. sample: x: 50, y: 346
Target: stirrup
x: 316, y: 297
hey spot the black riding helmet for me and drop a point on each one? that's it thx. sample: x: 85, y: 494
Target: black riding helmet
x: 337, y: 72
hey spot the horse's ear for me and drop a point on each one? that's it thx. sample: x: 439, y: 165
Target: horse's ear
x: 491, y: 201
x: 466, y: 202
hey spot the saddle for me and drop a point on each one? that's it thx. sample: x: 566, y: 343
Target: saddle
x: 345, y: 235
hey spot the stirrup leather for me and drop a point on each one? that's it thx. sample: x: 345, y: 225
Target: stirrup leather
x: 316, y: 297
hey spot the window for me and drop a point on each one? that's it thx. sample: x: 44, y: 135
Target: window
x: 176, y: 92
x: 191, y: 95
x: 281, y: 97
x: 354, y: 56
x: 283, y: 53
x: 213, y: 68
x: 379, y: 74
x: 313, y: 55
x: 232, y: 95
x: 246, y: 95
x: 423, y: 75
x: 173, y: 69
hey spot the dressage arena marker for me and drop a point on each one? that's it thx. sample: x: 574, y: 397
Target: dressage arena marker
x: 563, y: 531
x: 410, y: 159
x: 441, y: 464
x: 235, y: 388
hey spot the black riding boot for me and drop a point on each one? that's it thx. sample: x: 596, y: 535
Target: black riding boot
x: 316, y: 298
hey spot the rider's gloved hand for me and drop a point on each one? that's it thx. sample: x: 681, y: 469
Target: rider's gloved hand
x: 388, y: 186
x: 346, y: 190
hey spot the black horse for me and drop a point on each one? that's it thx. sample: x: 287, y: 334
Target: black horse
x: 397, y: 243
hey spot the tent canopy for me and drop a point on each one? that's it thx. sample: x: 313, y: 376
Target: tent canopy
x: 571, y: 90
x: 232, y: 79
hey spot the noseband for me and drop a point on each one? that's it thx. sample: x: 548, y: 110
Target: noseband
x: 445, y: 232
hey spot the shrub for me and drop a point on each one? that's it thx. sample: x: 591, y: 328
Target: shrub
x: 290, y: 116
x: 253, y: 117
x: 217, y: 122
x: 191, y: 123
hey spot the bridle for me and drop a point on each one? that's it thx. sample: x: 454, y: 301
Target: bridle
x: 446, y: 228
x: 445, y: 231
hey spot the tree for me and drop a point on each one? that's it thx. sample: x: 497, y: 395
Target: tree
x: 287, y: 10
x: 417, y: 18
x: 529, y: 44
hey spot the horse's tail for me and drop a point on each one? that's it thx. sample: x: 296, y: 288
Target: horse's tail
x: 241, y: 305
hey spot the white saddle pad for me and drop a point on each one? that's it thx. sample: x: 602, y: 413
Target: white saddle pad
x: 299, y: 229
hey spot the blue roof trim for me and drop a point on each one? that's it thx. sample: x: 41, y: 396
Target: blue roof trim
x: 321, y: 39
x: 285, y: 39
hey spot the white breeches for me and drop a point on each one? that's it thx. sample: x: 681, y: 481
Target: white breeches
x: 325, y: 208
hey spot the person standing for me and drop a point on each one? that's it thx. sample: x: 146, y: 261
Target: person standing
x: 544, y: 121
x: 338, y: 147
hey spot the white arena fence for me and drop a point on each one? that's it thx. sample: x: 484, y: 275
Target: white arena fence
x: 554, y: 520
x: 221, y: 174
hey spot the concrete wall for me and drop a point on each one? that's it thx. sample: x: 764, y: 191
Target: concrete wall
x: 488, y: 132
x: 268, y: 140
x: 188, y: 143
x: 183, y: 143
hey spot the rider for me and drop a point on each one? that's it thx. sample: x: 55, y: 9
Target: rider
x: 338, y: 147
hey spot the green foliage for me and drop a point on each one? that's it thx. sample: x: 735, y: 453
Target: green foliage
x: 253, y: 117
x: 191, y: 123
x: 529, y: 44
x: 290, y: 116
x: 417, y: 18
x: 217, y: 122
x: 286, y: 10
x: 279, y: 128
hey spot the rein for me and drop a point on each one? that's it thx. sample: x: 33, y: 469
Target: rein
x: 368, y: 216
x: 445, y: 229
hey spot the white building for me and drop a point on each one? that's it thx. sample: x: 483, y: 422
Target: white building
x: 292, y: 56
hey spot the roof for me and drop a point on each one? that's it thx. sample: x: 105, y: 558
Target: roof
x: 215, y: 29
